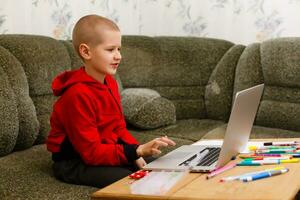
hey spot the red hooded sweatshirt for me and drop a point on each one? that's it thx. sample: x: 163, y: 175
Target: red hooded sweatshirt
x: 89, y: 115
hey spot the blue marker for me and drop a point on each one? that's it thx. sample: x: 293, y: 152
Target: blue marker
x: 295, y: 155
x: 248, y: 163
x: 264, y: 175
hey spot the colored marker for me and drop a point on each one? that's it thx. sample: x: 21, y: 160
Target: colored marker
x: 264, y: 175
x: 266, y: 162
x: 220, y: 170
x: 267, y: 154
x: 286, y: 143
x: 295, y: 155
x: 281, y: 148
x: 239, y: 177
x: 272, y: 158
x: 293, y: 160
x: 277, y: 151
x: 261, y: 156
x: 251, y: 156
x: 247, y: 164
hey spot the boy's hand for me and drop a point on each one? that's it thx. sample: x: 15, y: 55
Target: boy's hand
x: 140, y: 163
x: 152, y: 147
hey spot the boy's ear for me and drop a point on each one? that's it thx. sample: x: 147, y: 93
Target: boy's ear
x: 84, y: 51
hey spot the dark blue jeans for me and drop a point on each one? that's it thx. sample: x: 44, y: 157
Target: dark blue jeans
x: 75, y: 171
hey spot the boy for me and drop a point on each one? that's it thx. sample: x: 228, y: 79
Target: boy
x: 88, y: 139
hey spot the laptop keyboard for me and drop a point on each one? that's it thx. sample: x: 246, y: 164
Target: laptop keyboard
x: 211, y: 156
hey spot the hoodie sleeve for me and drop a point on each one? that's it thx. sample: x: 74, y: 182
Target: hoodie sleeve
x: 80, y: 124
x: 124, y: 134
x: 130, y: 144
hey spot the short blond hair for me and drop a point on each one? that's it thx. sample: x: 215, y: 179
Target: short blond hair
x: 86, y: 30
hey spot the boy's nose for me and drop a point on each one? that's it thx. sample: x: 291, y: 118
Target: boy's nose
x: 118, y: 55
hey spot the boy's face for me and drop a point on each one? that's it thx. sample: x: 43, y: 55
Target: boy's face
x: 105, y: 57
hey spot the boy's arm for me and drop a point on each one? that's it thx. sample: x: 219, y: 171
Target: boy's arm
x: 79, y: 119
x: 130, y: 143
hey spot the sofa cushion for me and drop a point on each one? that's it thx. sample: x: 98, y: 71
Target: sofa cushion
x: 146, y: 109
x: 28, y: 122
x: 280, y: 107
x: 218, y: 93
x: 275, y: 63
x: 9, y: 122
x: 256, y: 132
x: 76, y: 61
x: 42, y: 60
x: 191, y: 129
x: 28, y: 175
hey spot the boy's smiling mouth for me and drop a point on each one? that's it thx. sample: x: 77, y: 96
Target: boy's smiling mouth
x: 115, y: 65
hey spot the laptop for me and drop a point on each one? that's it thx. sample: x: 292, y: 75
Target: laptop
x: 206, y: 158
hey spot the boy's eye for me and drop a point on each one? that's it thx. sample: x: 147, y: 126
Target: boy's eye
x: 113, y: 49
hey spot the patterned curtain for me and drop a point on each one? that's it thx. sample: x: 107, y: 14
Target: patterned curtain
x: 239, y: 21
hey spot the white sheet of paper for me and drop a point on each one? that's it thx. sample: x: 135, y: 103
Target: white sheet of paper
x: 156, y: 182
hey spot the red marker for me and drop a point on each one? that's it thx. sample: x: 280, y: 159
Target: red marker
x: 139, y: 174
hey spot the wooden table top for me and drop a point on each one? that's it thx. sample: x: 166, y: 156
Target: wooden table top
x: 195, y: 186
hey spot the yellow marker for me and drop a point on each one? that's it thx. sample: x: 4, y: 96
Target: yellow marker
x: 252, y: 148
x: 275, y: 168
x: 293, y: 160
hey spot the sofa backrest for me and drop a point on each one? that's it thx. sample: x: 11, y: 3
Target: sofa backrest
x: 276, y: 63
x: 196, y: 74
x: 179, y: 68
x: 30, y: 63
x: 9, y: 122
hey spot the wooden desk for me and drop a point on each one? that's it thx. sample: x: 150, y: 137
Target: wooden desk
x: 195, y: 186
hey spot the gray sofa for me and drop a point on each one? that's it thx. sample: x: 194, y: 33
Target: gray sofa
x: 193, y: 81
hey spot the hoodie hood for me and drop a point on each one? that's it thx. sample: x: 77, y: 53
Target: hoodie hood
x: 69, y: 78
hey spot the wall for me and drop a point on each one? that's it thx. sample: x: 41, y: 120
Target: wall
x: 239, y: 21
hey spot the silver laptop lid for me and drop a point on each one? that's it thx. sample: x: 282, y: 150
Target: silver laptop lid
x: 236, y: 137
x: 240, y: 123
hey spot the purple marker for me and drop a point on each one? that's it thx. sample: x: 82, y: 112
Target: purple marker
x: 269, y: 155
